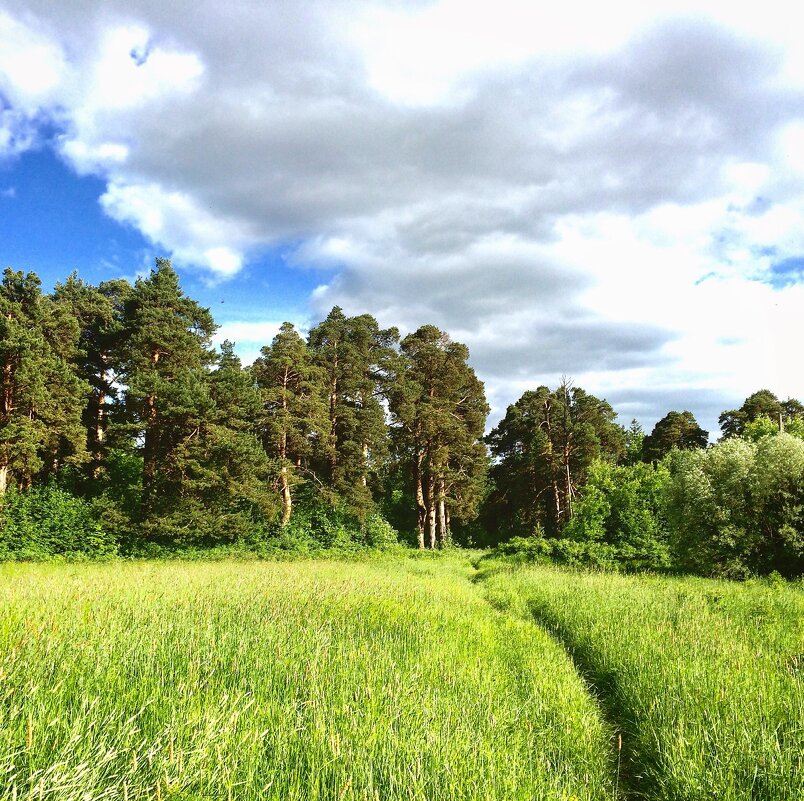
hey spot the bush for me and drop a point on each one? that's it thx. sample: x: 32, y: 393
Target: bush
x: 622, y: 507
x: 541, y: 550
x: 48, y: 521
x: 320, y: 526
x: 737, y: 509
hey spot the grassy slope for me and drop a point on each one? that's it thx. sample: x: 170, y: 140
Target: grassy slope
x: 705, y: 679
x: 310, y: 680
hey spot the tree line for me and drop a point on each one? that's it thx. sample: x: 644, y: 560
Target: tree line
x: 122, y: 427
x: 114, y: 393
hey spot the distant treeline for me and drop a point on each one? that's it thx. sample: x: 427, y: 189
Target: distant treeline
x: 123, y: 431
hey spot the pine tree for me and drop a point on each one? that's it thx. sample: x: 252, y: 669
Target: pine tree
x: 356, y: 357
x: 674, y: 430
x: 167, y: 338
x: 294, y: 418
x: 41, y: 399
x: 543, y: 449
x: 223, y: 486
x: 439, y: 408
x: 99, y: 314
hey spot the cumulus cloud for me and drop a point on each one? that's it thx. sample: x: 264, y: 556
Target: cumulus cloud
x: 610, y: 200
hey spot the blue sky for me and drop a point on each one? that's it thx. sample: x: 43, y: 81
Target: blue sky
x: 618, y: 200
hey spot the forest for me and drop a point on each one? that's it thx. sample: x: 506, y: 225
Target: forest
x: 124, y: 432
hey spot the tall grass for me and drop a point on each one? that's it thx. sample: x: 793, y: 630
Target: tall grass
x: 314, y: 680
x: 704, y: 679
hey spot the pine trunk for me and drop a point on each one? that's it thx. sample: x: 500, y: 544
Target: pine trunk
x: 287, y: 500
x: 150, y: 455
x: 431, y: 513
x: 443, y: 531
x: 421, y: 508
x: 568, y: 501
x: 333, y: 421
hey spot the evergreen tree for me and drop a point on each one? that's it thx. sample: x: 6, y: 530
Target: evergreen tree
x: 543, y: 449
x: 99, y: 314
x: 760, y: 404
x: 356, y: 358
x: 166, y: 349
x: 440, y: 409
x: 675, y: 430
x: 634, y: 443
x: 41, y: 398
x: 223, y: 473
x: 293, y: 417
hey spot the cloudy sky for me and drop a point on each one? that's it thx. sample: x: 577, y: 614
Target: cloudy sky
x: 610, y: 192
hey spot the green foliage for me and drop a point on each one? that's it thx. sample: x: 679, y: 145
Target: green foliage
x: 738, y: 508
x: 317, y: 526
x: 568, y: 553
x: 676, y: 430
x: 760, y: 404
x: 544, y: 447
x: 439, y: 411
x: 47, y: 521
x: 634, y: 443
x: 355, y: 357
x: 41, y: 398
x: 622, y: 507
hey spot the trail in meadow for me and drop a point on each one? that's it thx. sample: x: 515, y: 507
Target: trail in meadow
x: 701, y: 678
x: 628, y: 775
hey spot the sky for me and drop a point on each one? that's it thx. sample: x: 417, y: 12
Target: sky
x: 611, y: 193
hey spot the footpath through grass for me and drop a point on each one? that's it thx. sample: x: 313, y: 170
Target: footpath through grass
x: 704, y: 679
x: 313, y: 680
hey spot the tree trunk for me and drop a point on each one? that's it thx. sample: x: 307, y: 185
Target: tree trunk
x: 3, y: 479
x: 149, y: 455
x: 421, y: 508
x: 333, y: 420
x: 100, y: 429
x: 364, y: 477
x: 431, y: 512
x: 569, y: 486
x: 443, y: 531
x: 287, y: 499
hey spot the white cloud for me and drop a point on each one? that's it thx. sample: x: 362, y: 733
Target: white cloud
x: 174, y: 220
x: 553, y: 186
x: 31, y: 64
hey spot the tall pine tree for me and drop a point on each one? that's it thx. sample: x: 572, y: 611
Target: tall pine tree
x: 440, y: 409
x: 294, y: 416
x: 41, y: 398
x: 356, y: 357
x: 167, y: 338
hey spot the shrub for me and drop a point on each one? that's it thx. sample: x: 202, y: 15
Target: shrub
x: 48, y: 521
x: 541, y: 550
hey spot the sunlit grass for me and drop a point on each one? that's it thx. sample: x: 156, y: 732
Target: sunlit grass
x: 703, y: 678
x: 314, y: 680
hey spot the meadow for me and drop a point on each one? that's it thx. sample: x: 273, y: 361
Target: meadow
x: 395, y: 678
x: 702, y: 680
x: 307, y: 680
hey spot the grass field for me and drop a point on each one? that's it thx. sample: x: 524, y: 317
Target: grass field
x: 704, y: 680
x: 312, y: 680
x: 395, y: 679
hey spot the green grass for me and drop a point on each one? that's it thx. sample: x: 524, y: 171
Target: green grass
x: 314, y: 680
x: 704, y: 679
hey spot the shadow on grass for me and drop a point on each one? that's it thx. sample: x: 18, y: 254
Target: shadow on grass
x: 639, y: 767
